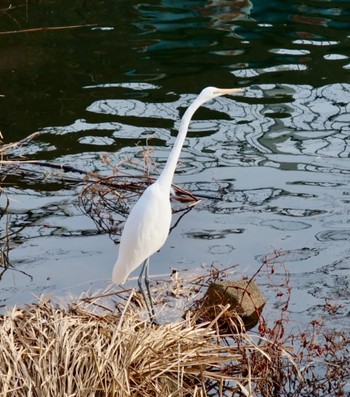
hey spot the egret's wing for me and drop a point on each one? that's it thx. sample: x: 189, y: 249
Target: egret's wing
x: 145, y: 231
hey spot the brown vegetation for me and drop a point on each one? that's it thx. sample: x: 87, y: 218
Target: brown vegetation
x: 50, y: 351
x: 105, y: 346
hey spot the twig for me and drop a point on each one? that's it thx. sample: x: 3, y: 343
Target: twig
x: 62, y: 167
x: 14, y: 144
x: 47, y: 28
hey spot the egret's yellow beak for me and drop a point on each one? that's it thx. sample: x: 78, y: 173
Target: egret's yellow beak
x: 225, y: 91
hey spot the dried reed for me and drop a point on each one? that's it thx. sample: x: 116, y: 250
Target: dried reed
x: 50, y: 351
x: 101, y: 346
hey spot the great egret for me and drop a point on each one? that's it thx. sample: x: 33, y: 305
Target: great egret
x: 147, y: 227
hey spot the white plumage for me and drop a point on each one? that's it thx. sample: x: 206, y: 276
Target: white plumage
x: 147, y: 226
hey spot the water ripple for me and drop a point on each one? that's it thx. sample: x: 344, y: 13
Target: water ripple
x: 279, y: 224
x: 296, y: 255
x: 334, y: 235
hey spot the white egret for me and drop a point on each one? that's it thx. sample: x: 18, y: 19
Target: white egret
x: 147, y: 226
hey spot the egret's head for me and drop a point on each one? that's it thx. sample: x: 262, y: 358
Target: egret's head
x: 212, y: 92
x: 209, y: 93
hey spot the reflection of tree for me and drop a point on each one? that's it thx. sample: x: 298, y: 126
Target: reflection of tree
x: 289, y: 119
x: 319, y: 123
x: 223, y: 12
x: 9, y: 238
x: 269, y: 120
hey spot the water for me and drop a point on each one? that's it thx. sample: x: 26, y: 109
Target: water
x: 277, y: 157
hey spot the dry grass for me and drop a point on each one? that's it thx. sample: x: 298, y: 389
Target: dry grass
x: 105, y: 346
x: 50, y: 351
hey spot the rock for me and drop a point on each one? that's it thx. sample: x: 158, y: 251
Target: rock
x: 244, y: 297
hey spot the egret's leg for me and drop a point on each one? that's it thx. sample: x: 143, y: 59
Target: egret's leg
x: 148, y: 289
x: 144, y: 271
x: 139, y: 282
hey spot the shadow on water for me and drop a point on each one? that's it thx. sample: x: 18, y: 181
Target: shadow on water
x: 278, y: 156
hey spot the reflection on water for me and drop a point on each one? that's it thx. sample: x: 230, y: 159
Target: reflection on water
x: 276, y: 160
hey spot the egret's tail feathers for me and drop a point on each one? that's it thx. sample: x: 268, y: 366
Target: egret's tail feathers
x: 119, y: 275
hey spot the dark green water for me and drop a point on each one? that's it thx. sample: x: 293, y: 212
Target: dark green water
x: 278, y: 155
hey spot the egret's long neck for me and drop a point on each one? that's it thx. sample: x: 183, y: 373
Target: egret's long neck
x: 166, y: 177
